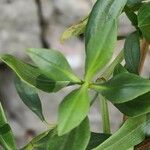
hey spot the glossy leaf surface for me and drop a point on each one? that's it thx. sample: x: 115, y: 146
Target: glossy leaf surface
x: 101, y: 34
x: 29, y: 97
x: 132, y: 53
x: 144, y: 20
x: 73, y: 109
x: 32, y: 75
x: 53, y: 64
x: 77, y: 139
x: 123, y: 87
x: 6, y: 135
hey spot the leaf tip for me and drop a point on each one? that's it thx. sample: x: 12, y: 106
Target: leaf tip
x: 28, y: 50
x: 63, y: 38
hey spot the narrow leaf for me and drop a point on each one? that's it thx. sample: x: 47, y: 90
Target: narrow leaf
x: 53, y: 64
x: 119, y: 69
x: 123, y: 87
x: 39, y: 142
x: 136, y: 107
x: 132, y: 16
x: 30, y: 97
x: 77, y: 139
x: 134, y: 4
x: 144, y: 20
x: 96, y: 139
x: 6, y: 135
x: 32, y: 75
x: 101, y: 34
x: 74, y: 30
x: 110, y: 69
x: 132, y: 53
x: 130, y: 134
x: 73, y: 109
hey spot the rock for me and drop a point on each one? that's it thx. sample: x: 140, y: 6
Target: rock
x: 19, y: 27
x: 69, y: 11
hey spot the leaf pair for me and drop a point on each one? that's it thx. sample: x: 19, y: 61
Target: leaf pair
x: 54, y: 75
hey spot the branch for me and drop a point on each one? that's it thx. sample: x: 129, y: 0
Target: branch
x: 43, y: 24
x: 142, y: 146
x: 144, y: 50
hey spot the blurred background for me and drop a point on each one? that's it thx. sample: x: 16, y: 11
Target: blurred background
x: 40, y: 23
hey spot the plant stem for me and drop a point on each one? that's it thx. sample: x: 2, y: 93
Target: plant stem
x: 105, y: 115
x: 103, y: 102
x: 142, y: 146
x: 144, y: 50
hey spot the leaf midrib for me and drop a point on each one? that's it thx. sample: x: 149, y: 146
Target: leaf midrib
x: 66, y: 72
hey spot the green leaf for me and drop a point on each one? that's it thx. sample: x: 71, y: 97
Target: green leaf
x: 132, y: 53
x: 132, y: 16
x: 73, y: 109
x: 32, y: 75
x: 96, y: 139
x: 104, y: 115
x: 144, y: 20
x: 30, y: 97
x: 130, y: 134
x: 6, y: 135
x: 110, y: 69
x: 133, y: 2
x: 101, y: 34
x: 123, y: 87
x: 119, y: 69
x: 74, y: 30
x: 136, y: 107
x: 39, y: 142
x: 53, y: 64
x: 77, y: 139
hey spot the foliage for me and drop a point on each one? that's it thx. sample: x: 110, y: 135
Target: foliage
x: 122, y: 85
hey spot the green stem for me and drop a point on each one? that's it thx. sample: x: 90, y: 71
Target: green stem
x: 105, y: 115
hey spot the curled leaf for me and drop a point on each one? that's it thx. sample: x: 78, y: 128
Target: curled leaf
x: 74, y: 30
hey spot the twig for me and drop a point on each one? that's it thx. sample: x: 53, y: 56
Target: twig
x: 43, y: 24
x: 142, y: 146
x: 144, y: 50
